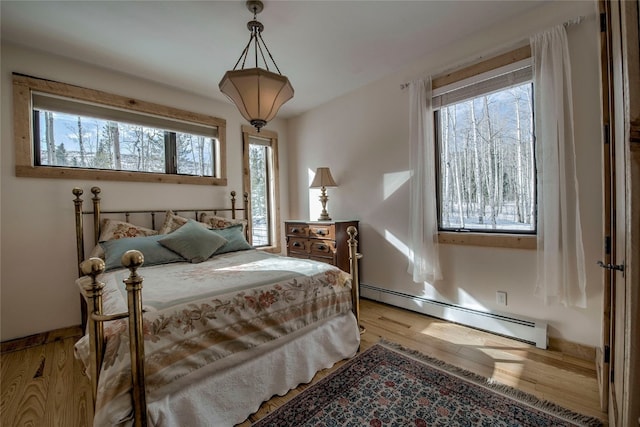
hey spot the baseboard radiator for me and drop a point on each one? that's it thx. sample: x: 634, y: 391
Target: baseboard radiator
x: 528, y: 330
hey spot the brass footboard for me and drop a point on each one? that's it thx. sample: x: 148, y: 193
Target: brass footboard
x: 93, y: 267
x: 92, y: 290
x: 354, y: 256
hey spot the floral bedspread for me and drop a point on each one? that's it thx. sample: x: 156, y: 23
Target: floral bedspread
x: 197, y: 314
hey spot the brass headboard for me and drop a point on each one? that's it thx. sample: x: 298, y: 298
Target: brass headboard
x: 97, y: 213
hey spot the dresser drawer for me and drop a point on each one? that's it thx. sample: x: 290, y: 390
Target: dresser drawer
x: 322, y: 231
x: 297, y: 244
x: 322, y: 248
x: 301, y: 230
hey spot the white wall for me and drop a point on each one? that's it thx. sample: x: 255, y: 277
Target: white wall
x: 363, y: 138
x: 37, y: 220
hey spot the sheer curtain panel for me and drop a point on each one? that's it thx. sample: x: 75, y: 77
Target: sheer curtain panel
x: 561, y: 277
x: 424, y: 263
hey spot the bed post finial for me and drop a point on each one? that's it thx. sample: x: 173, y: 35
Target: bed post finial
x: 96, y: 214
x: 133, y: 260
x: 77, y: 191
x: 354, y: 256
x: 246, y: 214
x: 233, y: 204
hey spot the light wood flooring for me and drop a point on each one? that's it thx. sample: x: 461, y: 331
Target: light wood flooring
x: 44, y: 385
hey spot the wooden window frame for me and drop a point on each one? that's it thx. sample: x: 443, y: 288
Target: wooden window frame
x: 23, y: 86
x: 478, y: 238
x: 250, y: 131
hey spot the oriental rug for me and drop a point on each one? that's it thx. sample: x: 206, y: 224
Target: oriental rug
x: 387, y: 385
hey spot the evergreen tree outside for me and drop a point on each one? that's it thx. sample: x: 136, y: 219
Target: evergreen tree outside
x: 71, y: 140
x: 258, y: 172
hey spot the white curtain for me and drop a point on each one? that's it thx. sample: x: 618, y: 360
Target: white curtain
x: 561, y: 276
x: 424, y: 263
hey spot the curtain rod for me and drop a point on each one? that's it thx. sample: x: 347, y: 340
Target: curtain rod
x: 575, y: 21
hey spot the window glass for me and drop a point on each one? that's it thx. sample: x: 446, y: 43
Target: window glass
x: 260, y: 165
x: 487, y: 170
x: 80, y: 141
x: 196, y: 154
x: 259, y: 175
x: 69, y: 132
x: 86, y: 142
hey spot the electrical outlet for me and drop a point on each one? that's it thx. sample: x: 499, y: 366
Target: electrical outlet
x: 501, y: 298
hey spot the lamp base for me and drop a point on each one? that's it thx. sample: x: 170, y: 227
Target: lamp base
x: 324, y: 215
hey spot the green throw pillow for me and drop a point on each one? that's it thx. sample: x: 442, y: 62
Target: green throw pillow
x: 193, y: 242
x: 154, y: 253
x: 235, y: 239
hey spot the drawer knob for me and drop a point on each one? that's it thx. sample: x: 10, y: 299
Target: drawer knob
x: 322, y: 247
x: 321, y: 231
x: 297, y: 244
x: 295, y: 230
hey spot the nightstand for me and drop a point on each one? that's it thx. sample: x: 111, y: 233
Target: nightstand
x: 325, y: 241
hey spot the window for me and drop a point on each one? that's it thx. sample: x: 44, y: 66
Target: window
x: 260, y: 158
x: 486, y: 179
x: 64, y: 131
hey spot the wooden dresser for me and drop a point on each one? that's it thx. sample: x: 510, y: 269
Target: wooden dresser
x: 324, y: 241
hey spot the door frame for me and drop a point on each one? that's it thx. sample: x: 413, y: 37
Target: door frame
x: 621, y: 124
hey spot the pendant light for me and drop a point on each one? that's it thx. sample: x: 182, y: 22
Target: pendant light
x: 258, y: 93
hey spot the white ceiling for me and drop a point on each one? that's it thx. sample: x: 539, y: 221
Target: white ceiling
x: 326, y: 48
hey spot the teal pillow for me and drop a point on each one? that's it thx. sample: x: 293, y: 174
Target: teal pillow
x: 193, y: 241
x: 235, y: 239
x: 154, y: 253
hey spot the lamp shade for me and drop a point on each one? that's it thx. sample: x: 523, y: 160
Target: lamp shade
x: 257, y: 93
x: 323, y: 178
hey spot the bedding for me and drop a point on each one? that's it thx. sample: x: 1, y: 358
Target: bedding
x: 235, y: 239
x: 194, y: 242
x: 172, y: 222
x: 218, y: 222
x: 112, y: 229
x: 154, y: 253
x: 205, y: 321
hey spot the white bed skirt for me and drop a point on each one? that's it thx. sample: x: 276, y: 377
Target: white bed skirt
x: 234, y: 389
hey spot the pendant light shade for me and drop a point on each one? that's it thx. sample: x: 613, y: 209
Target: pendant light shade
x: 258, y: 93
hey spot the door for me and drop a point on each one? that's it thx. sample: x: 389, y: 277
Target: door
x: 621, y: 114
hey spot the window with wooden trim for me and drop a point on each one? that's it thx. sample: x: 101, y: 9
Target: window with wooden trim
x: 485, y: 144
x: 260, y: 165
x: 64, y: 131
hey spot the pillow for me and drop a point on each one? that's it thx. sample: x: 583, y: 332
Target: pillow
x: 218, y: 222
x: 154, y: 253
x: 112, y: 229
x: 193, y: 242
x: 235, y: 239
x: 97, y: 252
x: 172, y: 222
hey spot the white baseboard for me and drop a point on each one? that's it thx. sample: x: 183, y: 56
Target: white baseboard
x: 524, y: 329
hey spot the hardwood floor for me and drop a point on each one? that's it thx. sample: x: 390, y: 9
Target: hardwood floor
x: 44, y: 385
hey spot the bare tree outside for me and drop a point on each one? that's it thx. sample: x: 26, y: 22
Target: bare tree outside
x: 78, y: 141
x: 487, y: 173
x: 259, y: 176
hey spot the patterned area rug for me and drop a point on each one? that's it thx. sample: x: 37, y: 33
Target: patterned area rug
x: 390, y: 386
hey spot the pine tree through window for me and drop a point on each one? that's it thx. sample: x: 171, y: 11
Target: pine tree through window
x: 70, y: 132
x: 260, y: 165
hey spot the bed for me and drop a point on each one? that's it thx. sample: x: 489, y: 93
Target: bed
x: 218, y: 327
